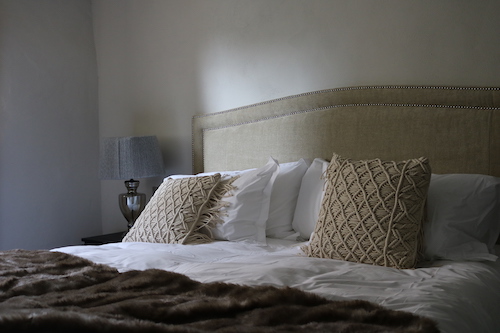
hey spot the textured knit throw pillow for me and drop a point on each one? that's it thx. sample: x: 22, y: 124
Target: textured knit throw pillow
x: 179, y: 211
x: 372, y: 212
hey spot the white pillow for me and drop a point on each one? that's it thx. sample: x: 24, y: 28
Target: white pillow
x: 463, y: 217
x: 245, y: 216
x: 309, y: 199
x: 284, y: 199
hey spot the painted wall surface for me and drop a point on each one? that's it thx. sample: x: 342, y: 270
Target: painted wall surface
x: 49, y: 191
x: 162, y: 61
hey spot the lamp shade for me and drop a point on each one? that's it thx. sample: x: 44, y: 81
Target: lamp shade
x: 130, y: 157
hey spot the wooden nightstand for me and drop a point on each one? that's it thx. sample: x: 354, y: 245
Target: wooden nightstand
x: 104, y: 239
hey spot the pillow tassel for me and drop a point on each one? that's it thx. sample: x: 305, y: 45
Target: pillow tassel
x: 210, y: 214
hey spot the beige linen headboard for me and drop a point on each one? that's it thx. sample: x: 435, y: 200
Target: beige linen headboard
x: 457, y: 128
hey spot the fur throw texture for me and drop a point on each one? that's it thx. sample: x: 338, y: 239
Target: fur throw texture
x: 42, y: 291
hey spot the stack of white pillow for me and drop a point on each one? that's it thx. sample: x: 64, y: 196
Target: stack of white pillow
x: 283, y: 201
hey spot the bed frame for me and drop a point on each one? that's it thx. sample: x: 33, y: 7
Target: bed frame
x: 457, y: 128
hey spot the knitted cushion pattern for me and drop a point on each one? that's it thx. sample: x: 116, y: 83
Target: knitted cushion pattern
x: 372, y: 212
x: 178, y: 211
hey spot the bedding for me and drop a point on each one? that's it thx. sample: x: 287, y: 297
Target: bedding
x: 85, y: 297
x: 283, y: 200
x: 250, y: 237
x: 458, y: 295
x: 309, y: 199
x: 245, y: 208
x: 467, y: 210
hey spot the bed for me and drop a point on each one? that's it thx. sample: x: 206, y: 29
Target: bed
x: 359, y: 209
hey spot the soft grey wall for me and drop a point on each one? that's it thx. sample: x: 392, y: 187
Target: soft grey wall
x: 160, y: 62
x: 49, y: 191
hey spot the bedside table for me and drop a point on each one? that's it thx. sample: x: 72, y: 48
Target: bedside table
x: 104, y: 239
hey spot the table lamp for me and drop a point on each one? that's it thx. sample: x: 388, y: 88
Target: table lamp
x: 128, y: 158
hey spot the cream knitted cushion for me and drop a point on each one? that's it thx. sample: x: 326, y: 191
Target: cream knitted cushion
x: 178, y: 211
x: 372, y: 212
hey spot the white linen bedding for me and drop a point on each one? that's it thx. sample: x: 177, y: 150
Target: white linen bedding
x: 459, y: 295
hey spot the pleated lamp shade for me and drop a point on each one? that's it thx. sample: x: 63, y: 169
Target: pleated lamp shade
x: 130, y: 157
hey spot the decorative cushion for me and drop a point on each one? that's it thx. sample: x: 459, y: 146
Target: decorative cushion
x: 372, y: 212
x: 178, y: 212
x: 464, y: 217
x: 309, y: 200
x: 284, y: 199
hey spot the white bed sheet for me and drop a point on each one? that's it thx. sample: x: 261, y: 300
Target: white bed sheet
x: 460, y: 296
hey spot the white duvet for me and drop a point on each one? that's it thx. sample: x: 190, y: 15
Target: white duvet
x: 460, y: 296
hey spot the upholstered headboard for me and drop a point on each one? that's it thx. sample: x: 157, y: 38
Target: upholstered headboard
x: 457, y: 128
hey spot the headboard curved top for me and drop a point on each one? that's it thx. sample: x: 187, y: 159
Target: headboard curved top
x: 457, y: 128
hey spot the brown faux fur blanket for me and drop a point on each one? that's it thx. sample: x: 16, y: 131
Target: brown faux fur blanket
x: 42, y: 291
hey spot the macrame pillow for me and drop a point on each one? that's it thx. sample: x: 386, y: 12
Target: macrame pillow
x: 178, y: 212
x: 372, y: 212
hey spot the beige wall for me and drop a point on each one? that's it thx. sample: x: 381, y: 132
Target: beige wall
x: 162, y: 61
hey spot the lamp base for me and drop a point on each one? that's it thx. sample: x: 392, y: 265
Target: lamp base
x: 132, y: 203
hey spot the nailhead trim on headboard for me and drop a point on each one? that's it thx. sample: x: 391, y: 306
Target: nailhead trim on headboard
x: 355, y: 105
x: 344, y: 89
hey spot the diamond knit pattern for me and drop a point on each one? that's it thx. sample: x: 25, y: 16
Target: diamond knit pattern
x: 372, y: 212
x: 177, y: 212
